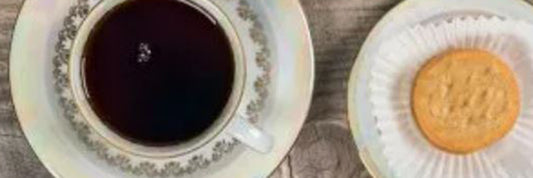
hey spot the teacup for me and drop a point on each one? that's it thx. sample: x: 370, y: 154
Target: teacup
x: 229, y: 121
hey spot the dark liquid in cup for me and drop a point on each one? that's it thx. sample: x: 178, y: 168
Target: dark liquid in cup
x: 158, y: 72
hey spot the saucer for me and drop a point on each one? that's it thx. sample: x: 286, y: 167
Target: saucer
x: 278, y: 50
x: 404, y: 16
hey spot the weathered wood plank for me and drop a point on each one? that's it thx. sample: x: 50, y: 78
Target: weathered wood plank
x: 325, y: 147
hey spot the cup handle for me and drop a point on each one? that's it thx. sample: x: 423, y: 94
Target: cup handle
x: 250, y: 135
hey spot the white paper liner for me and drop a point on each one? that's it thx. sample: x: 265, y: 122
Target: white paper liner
x: 408, y: 153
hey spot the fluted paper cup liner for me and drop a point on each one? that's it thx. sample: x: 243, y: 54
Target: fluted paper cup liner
x: 408, y: 153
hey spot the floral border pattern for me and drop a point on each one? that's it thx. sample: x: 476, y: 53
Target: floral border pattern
x: 66, y: 36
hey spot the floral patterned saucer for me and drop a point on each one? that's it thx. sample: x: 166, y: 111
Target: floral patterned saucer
x: 277, y: 47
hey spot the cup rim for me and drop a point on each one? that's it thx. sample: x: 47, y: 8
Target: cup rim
x: 76, y: 76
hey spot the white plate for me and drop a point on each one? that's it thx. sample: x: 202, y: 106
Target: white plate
x: 56, y: 141
x: 402, y: 17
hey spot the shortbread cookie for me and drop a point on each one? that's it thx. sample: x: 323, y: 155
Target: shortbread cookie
x: 464, y: 100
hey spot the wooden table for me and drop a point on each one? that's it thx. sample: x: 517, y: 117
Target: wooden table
x: 324, y: 148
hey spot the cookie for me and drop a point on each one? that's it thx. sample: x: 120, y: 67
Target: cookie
x: 465, y: 100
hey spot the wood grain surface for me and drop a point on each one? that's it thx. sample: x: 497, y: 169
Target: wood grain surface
x: 325, y: 147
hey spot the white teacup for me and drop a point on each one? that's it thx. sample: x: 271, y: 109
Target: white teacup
x: 229, y: 121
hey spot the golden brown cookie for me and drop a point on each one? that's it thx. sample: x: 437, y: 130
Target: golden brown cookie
x: 464, y: 100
